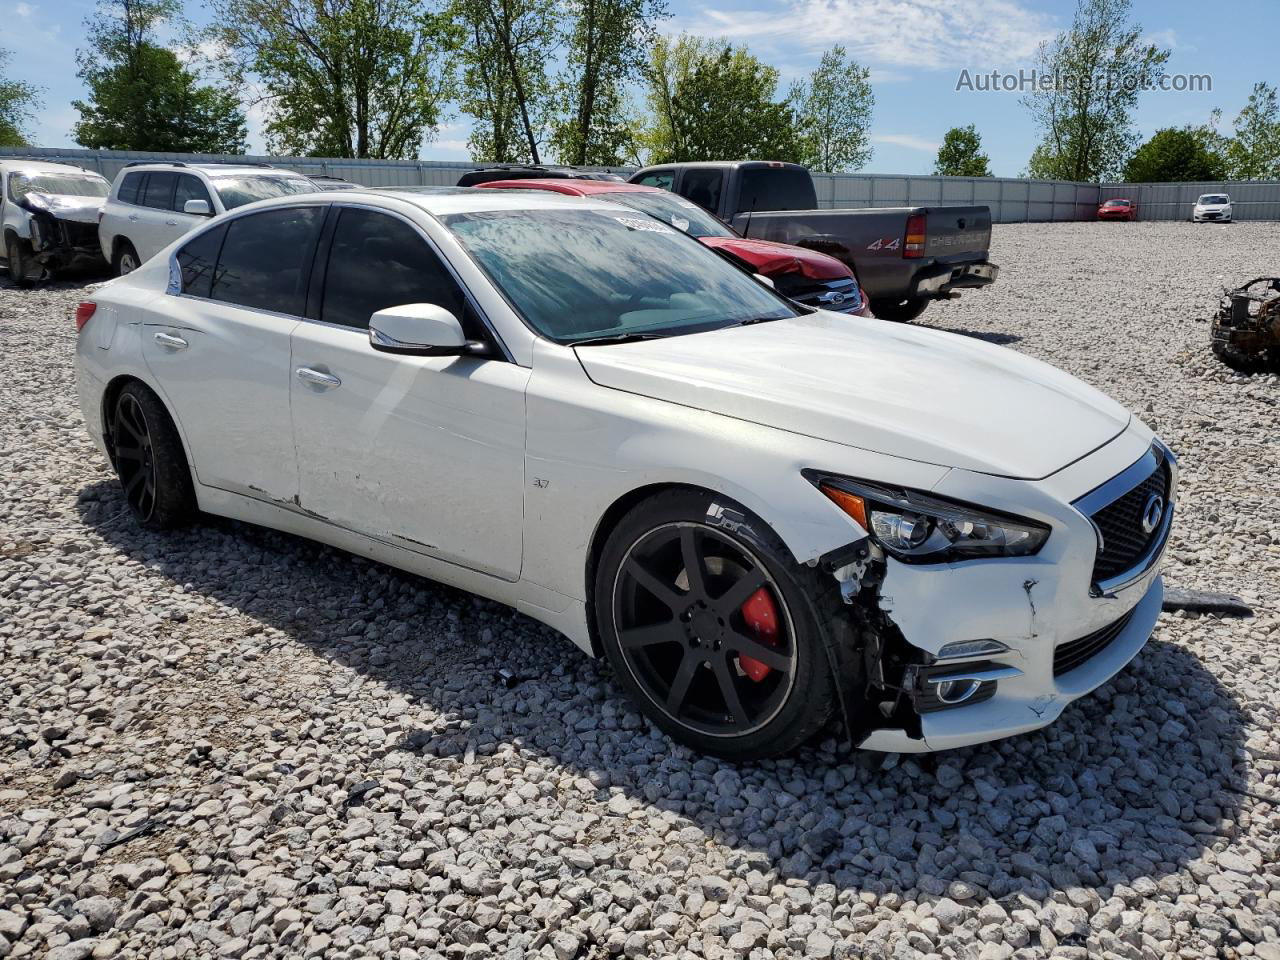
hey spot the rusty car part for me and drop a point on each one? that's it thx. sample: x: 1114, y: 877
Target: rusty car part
x: 1246, y: 328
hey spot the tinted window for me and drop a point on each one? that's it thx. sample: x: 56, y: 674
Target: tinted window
x: 378, y: 261
x: 130, y: 186
x: 237, y: 191
x: 197, y: 260
x: 662, y: 181
x: 580, y: 274
x: 674, y: 211
x: 265, y: 258
x: 776, y: 188
x: 189, y: 188
x: 158, y: 192
x: 702, y: 187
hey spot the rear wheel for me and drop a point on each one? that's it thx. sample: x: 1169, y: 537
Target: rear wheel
x: 713, y: 630
x: 899, y: 311
x: 21, y: 265
x: 149, y: 460
x: 126, y: 259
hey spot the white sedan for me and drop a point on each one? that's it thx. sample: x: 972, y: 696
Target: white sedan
x: 766, y: 517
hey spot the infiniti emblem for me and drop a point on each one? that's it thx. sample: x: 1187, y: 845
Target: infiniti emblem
x: 1152, y: 512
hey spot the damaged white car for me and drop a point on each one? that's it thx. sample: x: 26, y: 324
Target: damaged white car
x: 766, y: 517
x: 49, y: 218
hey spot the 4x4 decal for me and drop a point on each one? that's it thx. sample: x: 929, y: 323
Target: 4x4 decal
x: 886, y: 243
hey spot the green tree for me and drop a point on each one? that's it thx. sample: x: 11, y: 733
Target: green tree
x: 1098, y: 68
x: 961, y: 154
x: 141, y: 97
x: 1253, y: 152
x: 714, y: 101
x: 606, y: 51
x: 18, y: 102
x: 1173, y: 155
x: 833, y: 113
x: 506, y: 88
x: 346, y: 78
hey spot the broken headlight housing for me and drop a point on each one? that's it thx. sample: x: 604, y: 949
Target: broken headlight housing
x: 919, y: 527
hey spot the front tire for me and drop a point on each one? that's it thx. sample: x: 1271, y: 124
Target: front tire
x: 899, y: 311
x: 20, y: 262
x: 127, y: 259
x: 149, y: 460
x: 713, y: 629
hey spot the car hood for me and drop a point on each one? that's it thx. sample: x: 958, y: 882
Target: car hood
x: 907, y: 392
x: 772, y: 259
x: 73, y: 208
x: 1212, y: 206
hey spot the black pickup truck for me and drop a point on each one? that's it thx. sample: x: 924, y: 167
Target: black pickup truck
x: 903, y: 257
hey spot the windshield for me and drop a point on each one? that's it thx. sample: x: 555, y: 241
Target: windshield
x: 237, y: 191
x: 1214, y: 198
x: 57, y: 184
x: 580, y: 274
x: 1116, y: 203
x: 674, y: 211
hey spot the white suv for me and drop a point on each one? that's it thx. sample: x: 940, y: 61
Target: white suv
x: 152, y: 204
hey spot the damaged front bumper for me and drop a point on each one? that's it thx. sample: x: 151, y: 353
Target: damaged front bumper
x: 963, y: 653
x: 58, y: 244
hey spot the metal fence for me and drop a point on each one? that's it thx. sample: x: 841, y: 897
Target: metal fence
x: 1011, y: 199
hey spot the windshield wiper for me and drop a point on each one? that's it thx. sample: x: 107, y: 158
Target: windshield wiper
x: 754, y: 320
x: 617, y: 338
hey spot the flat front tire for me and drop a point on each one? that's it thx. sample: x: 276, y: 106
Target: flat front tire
x: 149, y: 460
x: 712, y: 628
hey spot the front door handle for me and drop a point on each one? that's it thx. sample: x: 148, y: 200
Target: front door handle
x: 171, y: 223
x: 133, y: 218
x: 317, y: 377
x: 169, y: 340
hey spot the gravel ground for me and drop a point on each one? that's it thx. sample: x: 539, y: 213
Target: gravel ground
x: 228, y: 742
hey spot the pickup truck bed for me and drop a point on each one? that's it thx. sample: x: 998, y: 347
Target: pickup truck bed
x: 902, y: 257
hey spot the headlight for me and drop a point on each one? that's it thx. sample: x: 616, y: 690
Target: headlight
x: 921, y: 528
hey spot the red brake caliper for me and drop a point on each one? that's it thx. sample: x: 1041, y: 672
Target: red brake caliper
x: 762, y: 620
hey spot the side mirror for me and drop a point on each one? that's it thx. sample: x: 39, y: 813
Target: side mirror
x: 419, y: 329
x: 765, y: 280
x: 197, y: 208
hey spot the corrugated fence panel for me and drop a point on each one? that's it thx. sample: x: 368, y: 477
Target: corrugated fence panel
x: 1011, y: 199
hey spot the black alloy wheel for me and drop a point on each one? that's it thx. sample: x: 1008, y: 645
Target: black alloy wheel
x: 149, y: 460
x: 713, y: 629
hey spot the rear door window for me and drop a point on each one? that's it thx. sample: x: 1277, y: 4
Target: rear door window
x: 776, y: 188
x: 131, y: 187
x: 703, y: 187
x: 198, y: 259
x: 266, y: 258
x: 662, y: 181
x: 189, y: 188
x: 379, y: 261
x: 158, y: 192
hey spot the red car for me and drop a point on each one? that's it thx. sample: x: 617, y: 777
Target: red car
x: 1118, y: 209
x: 805, y: 276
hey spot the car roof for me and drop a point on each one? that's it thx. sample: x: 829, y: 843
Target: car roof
x: 442, y: 204
x: 726, y: 164
x: 212, y: 169
x: 577, y: 188
x: 20, y: 165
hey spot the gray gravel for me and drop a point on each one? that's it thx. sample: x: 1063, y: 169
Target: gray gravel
x: 232, y: 743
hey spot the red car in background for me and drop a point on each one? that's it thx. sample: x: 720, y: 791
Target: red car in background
x: 1118, y: 209
x: 805, y: 276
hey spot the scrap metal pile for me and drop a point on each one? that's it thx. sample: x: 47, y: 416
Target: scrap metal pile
x: 1246, y: 328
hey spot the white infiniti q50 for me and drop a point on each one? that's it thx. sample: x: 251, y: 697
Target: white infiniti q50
x: 765, y: 517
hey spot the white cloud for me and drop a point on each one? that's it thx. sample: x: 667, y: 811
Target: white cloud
x: 929, y: 34
x: 23, y: 9
x: 908, y: 140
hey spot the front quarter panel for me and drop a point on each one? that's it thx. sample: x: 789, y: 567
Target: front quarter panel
x: 589, y: 446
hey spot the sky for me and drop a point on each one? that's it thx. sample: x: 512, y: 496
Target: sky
x: 917, y: 51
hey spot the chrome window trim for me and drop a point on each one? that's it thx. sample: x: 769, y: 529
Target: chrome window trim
x: 1115, y: 488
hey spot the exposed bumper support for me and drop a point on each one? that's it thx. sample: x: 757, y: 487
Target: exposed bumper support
x: 940, y: 280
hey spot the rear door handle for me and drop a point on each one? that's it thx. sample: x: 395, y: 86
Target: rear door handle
x: 133, y: 218
x: 169, y: 340
x: 171, y: 223
x: 317, y: 377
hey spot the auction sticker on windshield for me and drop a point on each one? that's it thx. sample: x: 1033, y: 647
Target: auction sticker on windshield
x: 635, y: 223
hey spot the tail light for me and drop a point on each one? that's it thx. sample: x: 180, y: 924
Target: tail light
x: 83, y: 312
x: 913, y: 248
